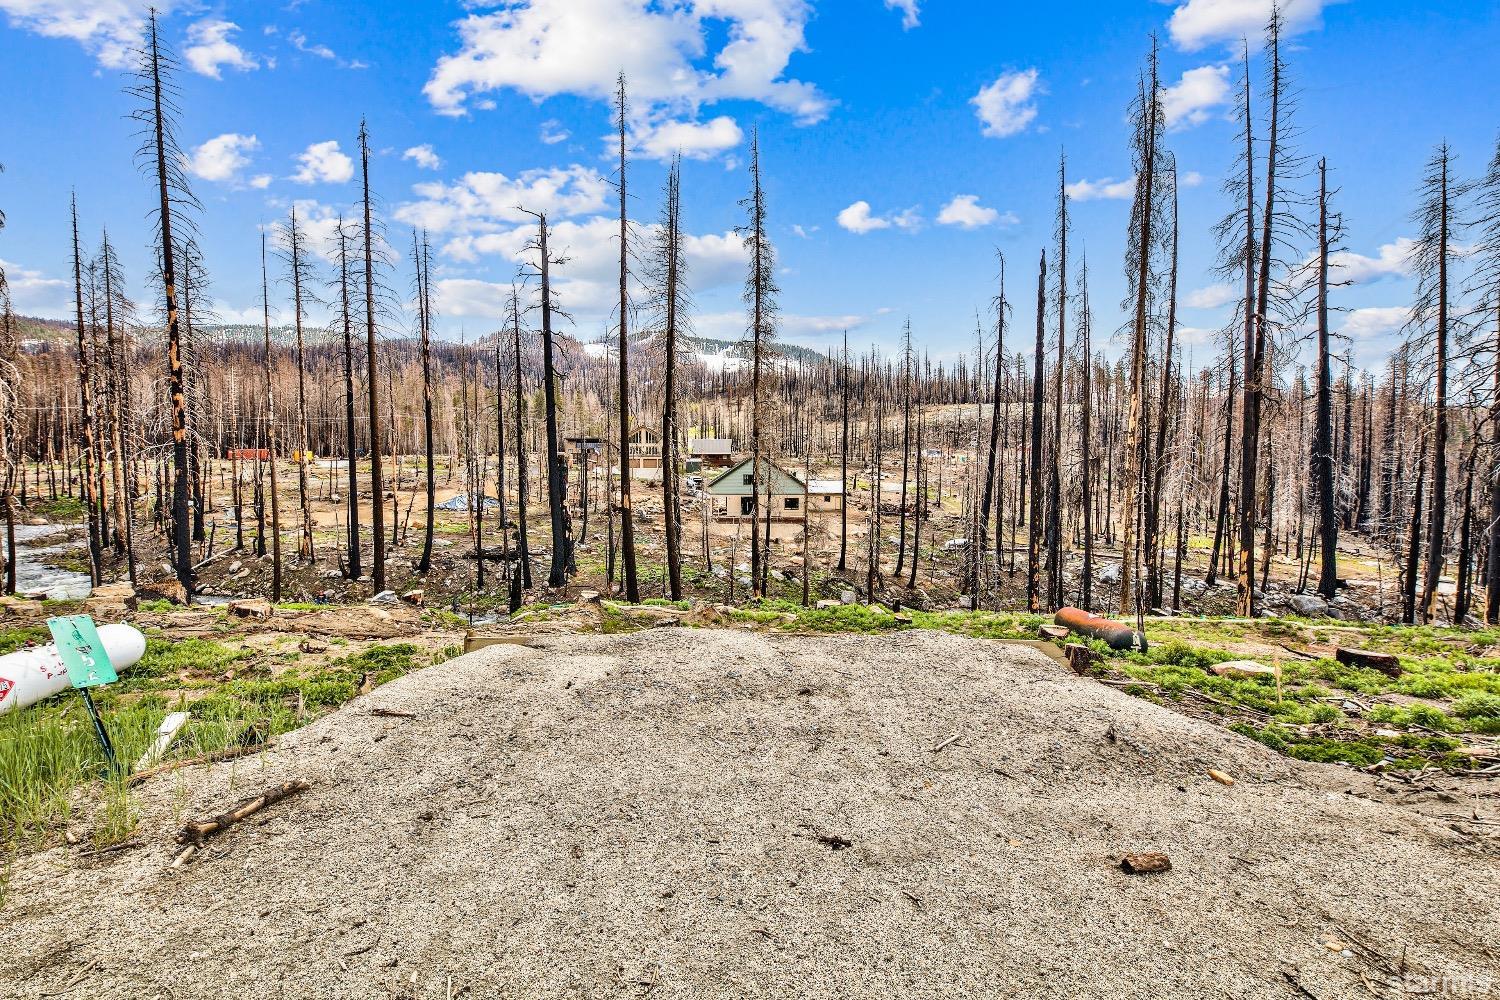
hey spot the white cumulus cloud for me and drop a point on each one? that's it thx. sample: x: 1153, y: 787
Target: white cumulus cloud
x: 552, y: 132
x: 859, y: 219
x: 484, y: 201
x: 1391, y: 260
x: 1106, y: 188
x: 1191, y: 99
x: 423, y: 156
x: 322, y: 162
x: 111, y: 30
x: 966, y: 212
x: 679, y: 56
x: 910, y: 12
x: 694, y: 140
x: 210, y: 49
x: 222, y: 158
x: 1007, y: 106
x: 1197, y: 23
x: 1211, y: 297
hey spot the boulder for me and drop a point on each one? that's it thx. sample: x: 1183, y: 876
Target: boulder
x: 1243, y: 669
x: 385, y: 597
x: 1308, y: 605
x: 848, y: 596
x: 1109, y: 574
x: 255, y: 608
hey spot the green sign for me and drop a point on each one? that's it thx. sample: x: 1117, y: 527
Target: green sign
x: 82, y: 651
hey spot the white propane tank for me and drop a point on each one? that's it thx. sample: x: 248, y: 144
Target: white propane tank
x: 29, y: 675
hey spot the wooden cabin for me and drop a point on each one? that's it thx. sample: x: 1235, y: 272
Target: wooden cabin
x: 712, y: 453
x: 825, y: 496
x: 732, y: 492
x: 645, y: 453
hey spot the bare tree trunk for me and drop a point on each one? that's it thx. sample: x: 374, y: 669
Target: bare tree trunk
x: 85, y: 410
x: 271, y: 428
x: 351, y: 452
x: 304, y: 444
x: 377, y: 490
x: 1034, y: 460
x: 176, y: 386
x: 424, y: 306
x: 627, y: 514
x: 1328, y: 539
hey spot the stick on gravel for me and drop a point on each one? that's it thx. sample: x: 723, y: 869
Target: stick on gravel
x: 197, y: 832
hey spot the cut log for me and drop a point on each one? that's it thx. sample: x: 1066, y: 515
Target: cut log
x: 1145, y: 863
x: 198, y: 831
x: 1369, y: 659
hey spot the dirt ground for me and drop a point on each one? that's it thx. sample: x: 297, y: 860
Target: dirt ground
x: 686, y: 813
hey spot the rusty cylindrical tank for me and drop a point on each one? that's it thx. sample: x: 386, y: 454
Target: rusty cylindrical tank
x: 1119, y: 636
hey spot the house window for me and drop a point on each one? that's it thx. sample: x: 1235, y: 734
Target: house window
x: 747, y: 506
x: 793, y: 503
x: 748, y: 479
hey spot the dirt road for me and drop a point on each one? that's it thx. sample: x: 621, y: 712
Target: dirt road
x: 685, y: 813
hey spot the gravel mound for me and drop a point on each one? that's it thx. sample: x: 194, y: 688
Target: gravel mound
x: 686, y: 813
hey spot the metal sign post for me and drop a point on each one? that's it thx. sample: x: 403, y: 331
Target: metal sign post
x: 83, y: 653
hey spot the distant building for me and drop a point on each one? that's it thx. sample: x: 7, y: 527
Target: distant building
x: 574, y: 448
x: 712, y: 453
x: 732, y: 492
x: 825, y: 495
x: 645, y: 454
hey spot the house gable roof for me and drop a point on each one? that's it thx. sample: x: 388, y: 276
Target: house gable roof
x: 730, y: 482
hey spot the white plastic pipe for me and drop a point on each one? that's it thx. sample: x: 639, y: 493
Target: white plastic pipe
x: 29, y: 675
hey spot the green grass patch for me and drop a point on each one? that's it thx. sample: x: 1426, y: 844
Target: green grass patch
x: 64, y: 508
x: 49, y: 750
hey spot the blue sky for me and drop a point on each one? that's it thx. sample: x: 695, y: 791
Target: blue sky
x: 903, y: 141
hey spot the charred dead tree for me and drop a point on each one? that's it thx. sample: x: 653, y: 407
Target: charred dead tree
x: 1430, y: 314
x: 377, y: 489
x: 162, y: 157
x: 1085, y: 436
x: 86, y: 446
x: 844, y: 381
x: 1322, y: 457
x: 1487, y: 283
x: 420, y: 255
x: 995, y: 458
x: 299, y: 273
x: 627, y: 515
x: 760, y: 297
x: 670, y: 265
x: 1148, y: 126
x: 907, y: 376
x: 557, y: 482
x: 1054, y: 466
x: 271, y: 443
x: 346, y: 260
x: 523, y: 550
x: 1034, y: 459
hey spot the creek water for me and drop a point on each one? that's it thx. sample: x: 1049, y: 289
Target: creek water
x: 34, y: 576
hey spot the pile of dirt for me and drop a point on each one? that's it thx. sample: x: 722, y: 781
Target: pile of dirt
x: 682, y: 813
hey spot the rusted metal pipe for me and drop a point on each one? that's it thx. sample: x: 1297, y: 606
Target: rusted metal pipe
x: 1117, y: 635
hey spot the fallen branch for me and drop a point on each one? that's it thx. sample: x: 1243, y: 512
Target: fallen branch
x: 98, y: 851
x: 947, y: 743
x: 208, y: 758
x: 391, y: 713
x: 196, y: 832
